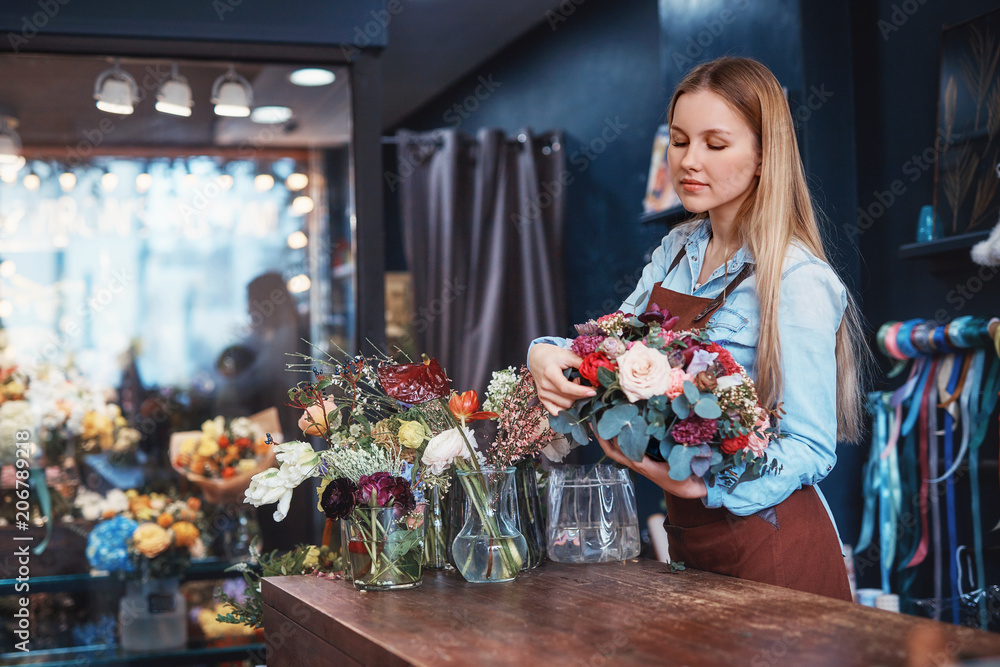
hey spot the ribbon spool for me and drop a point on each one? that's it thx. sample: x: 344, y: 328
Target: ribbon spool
x: 904, y: 340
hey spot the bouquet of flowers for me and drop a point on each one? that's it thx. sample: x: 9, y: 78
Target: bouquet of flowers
x: 155, y: 538
x: 675, y: 395
x: 222, y: 457
x: 106, y: 430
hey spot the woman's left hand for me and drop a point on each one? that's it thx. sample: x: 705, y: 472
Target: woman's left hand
x: 656, y: 471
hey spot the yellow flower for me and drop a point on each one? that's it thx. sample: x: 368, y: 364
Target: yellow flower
x: 319, y: 492
x: 312, y: 558
x: 189, y: 446
x: 213, y: 428
x: 150, y: 539
x: 185, y: 533
x: 208, y: 447
x: 131, y: 493
x: 412, y: 434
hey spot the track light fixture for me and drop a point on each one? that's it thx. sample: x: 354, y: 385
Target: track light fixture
x: 116, y: 90
x: 232, y: 95
x: 174, y: 96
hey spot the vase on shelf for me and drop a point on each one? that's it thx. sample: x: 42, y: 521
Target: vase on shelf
x: 489, y: 547
x: 530, y: 518
x: 591, y: 515
x: 435, y: 529
x: 385, y: 548
x: 152, y: 615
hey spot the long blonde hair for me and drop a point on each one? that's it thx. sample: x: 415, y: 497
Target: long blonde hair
x: 777, y: 212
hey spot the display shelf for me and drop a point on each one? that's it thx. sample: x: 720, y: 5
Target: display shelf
x: 196, y: 652
x: 949, y: 244
x: 210, y: 568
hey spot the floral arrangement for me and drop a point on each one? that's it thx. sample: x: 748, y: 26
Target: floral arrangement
x: 523, y: 429
x: 106, y: 430
x: 155, y: 537
x: 223, y: 449
x: 678, y: 388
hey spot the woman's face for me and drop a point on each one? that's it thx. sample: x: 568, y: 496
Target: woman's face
x: 712, y: 155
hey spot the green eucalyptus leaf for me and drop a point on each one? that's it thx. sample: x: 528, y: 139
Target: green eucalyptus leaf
x: 666, y: 445
x: 680, y: 462
x: 681, y: 407
x: 659, y: 403
x: 632, y: 439
x: 707, y: 409
x: 606, y: 376
x: 562, y: 422
x: 691, y: 392
x: 614, y: 420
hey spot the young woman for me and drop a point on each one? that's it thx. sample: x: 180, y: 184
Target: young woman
x: 752, y: 265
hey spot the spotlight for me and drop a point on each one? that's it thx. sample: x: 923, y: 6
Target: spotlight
x: 302, y: 204
x: 32, y: 182
x: 10, y: 142
x: 271, y: 115
x: 232, y: 95
x: 174, y: 96
x: 296, y: 241
x: 67, y: 181
x: 109, y: 182
x: 263, y: 182
x: 312, y: 76
x: 298, y: 284
x: 143, y: 182
x: 296, y: 181
x: 116, y: 91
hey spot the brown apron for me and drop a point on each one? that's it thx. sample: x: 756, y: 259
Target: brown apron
x: 792, y: 544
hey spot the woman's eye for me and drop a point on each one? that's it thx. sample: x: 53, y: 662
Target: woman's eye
x: 679, y: 144
x: 715, y: 148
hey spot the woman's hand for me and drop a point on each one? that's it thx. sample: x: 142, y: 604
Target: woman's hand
x: 547, y: 363
x: 655, y: 471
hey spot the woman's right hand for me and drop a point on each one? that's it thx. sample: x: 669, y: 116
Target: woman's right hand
x: 547, y: 363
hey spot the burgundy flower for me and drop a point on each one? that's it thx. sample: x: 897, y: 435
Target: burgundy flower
x: 415, y: 383
x: 338, y: 498
x: 584, y: 345
x: 694, y: 430
x: 381, y: 489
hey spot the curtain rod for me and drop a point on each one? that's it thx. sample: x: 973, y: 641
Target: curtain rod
x: 521, y: 138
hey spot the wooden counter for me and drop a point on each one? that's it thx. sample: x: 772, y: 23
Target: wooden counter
x: 632, y: 613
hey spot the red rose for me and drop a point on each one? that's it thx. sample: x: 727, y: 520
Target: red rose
x: 734, y: 445
x: 590, y: 364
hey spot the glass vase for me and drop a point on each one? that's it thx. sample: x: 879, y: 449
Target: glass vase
x: 152, y: 615
x: 435, y: 530
x: 489, y: 548
x: 530, y: 519
x: 592, y: 515
x: 385, y: 548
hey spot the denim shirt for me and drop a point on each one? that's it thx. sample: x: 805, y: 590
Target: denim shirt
x: 812, y: 304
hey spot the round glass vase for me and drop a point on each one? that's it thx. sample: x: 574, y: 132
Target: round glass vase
x: 385, y: 548
x: 489, y: 548
x: 152, y: 615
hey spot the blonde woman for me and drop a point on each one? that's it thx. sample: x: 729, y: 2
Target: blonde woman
x: 751, y: 264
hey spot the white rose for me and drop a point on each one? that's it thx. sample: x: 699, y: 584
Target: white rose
x: 728, y: 382
x: 298, y: 457
x: 643, y: 373
x: 443, y: 448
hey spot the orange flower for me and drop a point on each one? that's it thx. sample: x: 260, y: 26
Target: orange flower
x: 165, y: 520
x: 465, y: 407
x: 150, y: 540
x: 194, y: 503
x: 185, y: 533
x: 228, y: 472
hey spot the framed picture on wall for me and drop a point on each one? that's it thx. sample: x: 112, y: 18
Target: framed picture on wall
x: 967, y: 145
x: 660, y: 196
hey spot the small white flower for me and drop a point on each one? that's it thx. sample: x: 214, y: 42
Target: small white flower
x: 443, y: 448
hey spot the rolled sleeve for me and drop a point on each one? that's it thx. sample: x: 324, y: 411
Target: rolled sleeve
x: 813, y: 301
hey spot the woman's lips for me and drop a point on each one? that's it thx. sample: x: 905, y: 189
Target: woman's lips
x: 690, y: 185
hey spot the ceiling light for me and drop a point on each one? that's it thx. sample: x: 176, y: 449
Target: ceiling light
x: 296, y: 181
x: 109, y: 182
x: 67, y: 181
x: 190, y: 180
x: 232, y: 95
x: 302, y: 205
x: 143, y: 182
x: 263, y: 182
x: 312, y: 76
x: 6, y: 308
x: 8, y: 268
x: 299, y: 283
x: 10, y: 142
x: 116, y: 91
x: 296, y: 241
x: 8, y: 172
x: 174, y: 96
x: 226, y: 181
x: 271, y: 115
x: 31, y: 182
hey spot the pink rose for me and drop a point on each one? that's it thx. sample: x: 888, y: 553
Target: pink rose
x: 643, y: 372
x: 676, y: 385
x: 758, y: 444
x: 314, y: 420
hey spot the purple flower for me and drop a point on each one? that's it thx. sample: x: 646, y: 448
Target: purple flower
x: 337, y: 500
x: 381, y: 489
x: 694, y: 430
x: 585, y: 345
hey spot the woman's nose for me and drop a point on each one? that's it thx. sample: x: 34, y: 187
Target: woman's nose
x: 690, y: 159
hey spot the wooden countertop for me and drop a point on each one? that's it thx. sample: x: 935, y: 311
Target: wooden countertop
x: 636, y: 612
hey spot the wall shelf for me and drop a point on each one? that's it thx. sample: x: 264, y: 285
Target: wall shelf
x: 949, y: 244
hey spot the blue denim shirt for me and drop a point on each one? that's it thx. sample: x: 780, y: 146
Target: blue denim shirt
x: 812, y: 304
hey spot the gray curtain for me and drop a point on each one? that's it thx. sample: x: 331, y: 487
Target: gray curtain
x: 482, y: 226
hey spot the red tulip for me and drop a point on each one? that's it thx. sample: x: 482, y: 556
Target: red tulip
x: 465, y: 407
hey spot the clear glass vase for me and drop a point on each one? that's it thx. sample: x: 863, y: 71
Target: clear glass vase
x: 435, y: 530
x: 489, y: 548
x: 591, y: 515
x: 152, y: 615
x: 385, y: 548
x: 530, y: 518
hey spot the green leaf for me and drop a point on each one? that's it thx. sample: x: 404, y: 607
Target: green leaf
x: 691, y: 392
x: 680, y: 462
x: 681, y: 407
x: 657, y: 425
x: 579, y: 433
x: 659, y: 403
x: 666, y: 445
x: 632, y: 439
x: 707, y: 409
x: 614, y: 420
x: 606, y: 376
x: 563, y: 422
